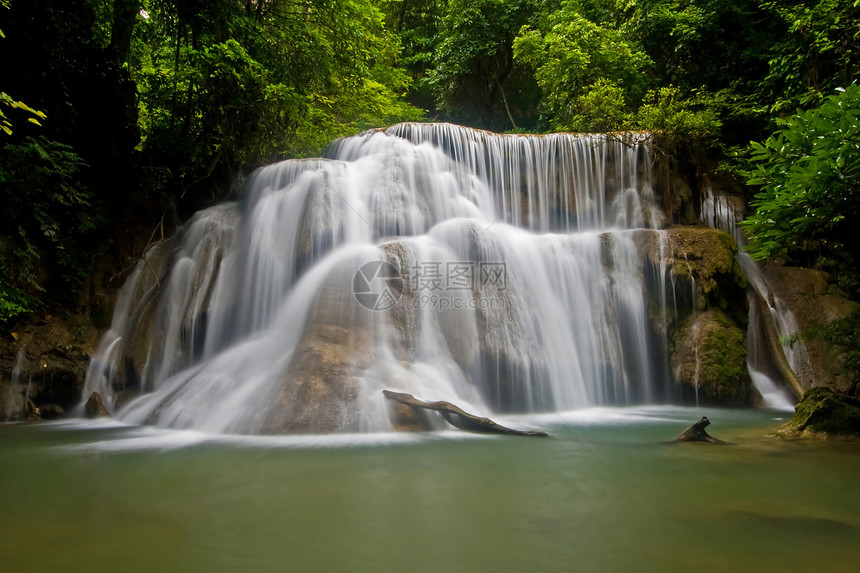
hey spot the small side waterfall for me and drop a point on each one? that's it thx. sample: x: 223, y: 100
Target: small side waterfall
x: 16, y: 399
x: 507, y: 273
x: 725, y: 212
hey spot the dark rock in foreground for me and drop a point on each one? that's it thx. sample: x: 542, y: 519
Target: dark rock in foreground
x: 458, y: 417
x: 51, y: 412
x: 823, y: 413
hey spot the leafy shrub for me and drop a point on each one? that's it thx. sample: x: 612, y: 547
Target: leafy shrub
x: 43, y: 199
x: 664, y: 111
x: 808, y: 175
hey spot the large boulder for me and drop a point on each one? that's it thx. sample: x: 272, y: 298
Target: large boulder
x: 701, y: 310
x: 94, y: 407
x: 320, y: 387
x: 709, y: 361
x: 824, y: 413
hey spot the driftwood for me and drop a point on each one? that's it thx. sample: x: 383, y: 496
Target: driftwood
x: 458, y: 417
x: 697, y: 433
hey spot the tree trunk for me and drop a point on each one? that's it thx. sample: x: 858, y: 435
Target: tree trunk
x: 458, y: 417
x: 124, y: 17
x: 697, y: 433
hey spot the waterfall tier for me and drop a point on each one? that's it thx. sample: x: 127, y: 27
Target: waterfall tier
x: 504, y: 272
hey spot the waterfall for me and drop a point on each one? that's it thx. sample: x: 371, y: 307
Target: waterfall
x: 502, y: 272
x: 726, y: 212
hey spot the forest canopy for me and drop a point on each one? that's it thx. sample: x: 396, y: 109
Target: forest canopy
x: 124, y: 112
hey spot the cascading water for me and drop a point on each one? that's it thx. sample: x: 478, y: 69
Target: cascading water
x: 725, y: 212
x: 505, y: 273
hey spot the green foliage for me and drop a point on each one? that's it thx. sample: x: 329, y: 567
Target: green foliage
x: 232, y: 83
x: 40, y: 187
x: 4, y: 4
x: 576, y: 62
x: 600, y: 108
x: 808, y: 175
x: 674, y: 67
x: 474, y: 59
x: 7, y: 101
x: 695, y: 118
x: 12, y: 302
x: 695, y: 44
x: 417, y: 22
x: 163, y: 97
x: 817, y: 52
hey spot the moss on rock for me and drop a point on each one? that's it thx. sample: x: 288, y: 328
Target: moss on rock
x: 703, y: 255
x: 822, y: 412
x: 709, y: 360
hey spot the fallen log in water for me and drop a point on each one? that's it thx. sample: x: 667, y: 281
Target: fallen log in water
x: 459, y: 418
x: 697, y: 433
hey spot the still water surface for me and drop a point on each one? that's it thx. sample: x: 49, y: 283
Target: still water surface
x: 603, y: 494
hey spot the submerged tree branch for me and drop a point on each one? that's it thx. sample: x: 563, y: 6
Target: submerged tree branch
x: 459, y: 418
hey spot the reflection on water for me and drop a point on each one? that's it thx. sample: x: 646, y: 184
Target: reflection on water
x: 604, y: 494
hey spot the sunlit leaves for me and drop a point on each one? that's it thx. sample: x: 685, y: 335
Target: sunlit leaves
x: 574, y: 61
x: 9, y: 102
x: 808, y: 173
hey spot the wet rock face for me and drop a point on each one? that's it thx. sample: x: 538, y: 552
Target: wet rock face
x: 806, y: 293
x: 94, y: 407
x: 699, y: 255
x: 319, y: 388
x: 46, y: 365
x: 51, y: 412
x: 706, y: 324
x: 709, y: 361
x: 824, y: 413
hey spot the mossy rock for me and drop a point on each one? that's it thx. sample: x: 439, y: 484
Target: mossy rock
x: 709, y: 361
x: 822, y: 412
x: 701, y: 254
